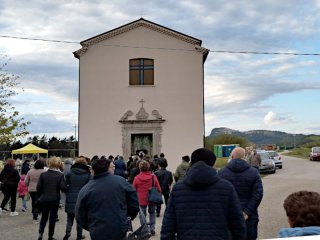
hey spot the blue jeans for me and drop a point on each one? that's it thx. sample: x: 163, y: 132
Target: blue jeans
x: 24, y: 203
x: 152, y: 215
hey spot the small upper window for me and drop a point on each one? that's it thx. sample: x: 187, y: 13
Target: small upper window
x: 141, y: 71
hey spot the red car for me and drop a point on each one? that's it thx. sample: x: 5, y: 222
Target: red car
x: 315, y: 154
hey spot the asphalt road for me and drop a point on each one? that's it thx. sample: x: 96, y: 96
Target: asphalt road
x: 297, y: 174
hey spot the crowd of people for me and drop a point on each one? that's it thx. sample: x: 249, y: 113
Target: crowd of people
x: 201, y: 202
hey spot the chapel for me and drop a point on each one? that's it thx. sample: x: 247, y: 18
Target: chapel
x: 141, y: 87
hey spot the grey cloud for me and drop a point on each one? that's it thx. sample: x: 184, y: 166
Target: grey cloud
x: 46, y: 123
x: 53, y: 78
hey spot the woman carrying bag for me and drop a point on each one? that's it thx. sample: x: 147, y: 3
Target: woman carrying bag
x: 143, y: 182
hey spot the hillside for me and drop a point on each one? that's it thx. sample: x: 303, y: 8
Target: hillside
x: 260, y: 137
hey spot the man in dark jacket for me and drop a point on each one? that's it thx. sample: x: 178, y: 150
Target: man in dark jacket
x: 165, y: 179
x: 76, y: 178
x: 120, y: 167
x: 202, y: 205
x: 247, y: 182
x: 105, y: 202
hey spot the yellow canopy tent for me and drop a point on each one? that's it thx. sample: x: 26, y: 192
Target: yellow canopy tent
x: 29, y: 149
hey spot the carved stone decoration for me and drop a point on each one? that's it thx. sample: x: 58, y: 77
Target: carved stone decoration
x: 141, y: 125
x: 156, y: 114
x: 142, y: 114
x: 125, y: 116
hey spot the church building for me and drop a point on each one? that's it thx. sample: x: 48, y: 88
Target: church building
x: 141, y: 87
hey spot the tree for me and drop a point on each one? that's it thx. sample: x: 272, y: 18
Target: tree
x: 11, y: 125
x: 225, y: 139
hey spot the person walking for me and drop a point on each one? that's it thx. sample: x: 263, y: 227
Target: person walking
x: 120, y: 167
x: 76, y: 178
x: 255, y: 159
x: 49, y: 185
x: 23, y: 192
x: 165, y: 179
x: 247, y: 182
x: 182, y: 168
x: 25, y: 167
x: 31, y: 181
x: 10, y: 178
x: 142, y: 183
x: 105, y: 202
x: 202, y: 205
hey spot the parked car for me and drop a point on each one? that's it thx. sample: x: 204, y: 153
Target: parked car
x: 315, y: 154
x: 275, y: 156
x: 267, y: 164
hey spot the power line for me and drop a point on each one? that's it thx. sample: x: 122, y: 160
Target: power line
x: 173, y: 49
x: 38, y: 39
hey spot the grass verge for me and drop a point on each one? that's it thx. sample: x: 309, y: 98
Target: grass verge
x: 298, y: 152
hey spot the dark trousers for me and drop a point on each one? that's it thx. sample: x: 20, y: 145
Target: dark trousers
x: 48, y: 210
x: 166, y: 198
x: 10, y: 193
x: 35, y: 211
x: 70, y: 220
x: 252, y: 228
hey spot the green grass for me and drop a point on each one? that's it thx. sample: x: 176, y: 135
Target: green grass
x: 221, y: 162
x: 299, y: 152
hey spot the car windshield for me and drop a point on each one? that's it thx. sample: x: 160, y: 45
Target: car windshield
x: 316, y: 149
x: 273, y: 154
x: 264, y: 155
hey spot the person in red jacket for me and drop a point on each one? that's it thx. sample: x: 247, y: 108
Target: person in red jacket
x: 142, y: 183
x: 23, y: 191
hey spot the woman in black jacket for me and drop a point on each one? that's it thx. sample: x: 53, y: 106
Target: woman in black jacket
x: 10, y: 178
x: 76, y: 178
x: 48, y: 188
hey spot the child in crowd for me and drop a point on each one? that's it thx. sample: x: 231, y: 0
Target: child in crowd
x: 303, y: 212
x: 23, y: 191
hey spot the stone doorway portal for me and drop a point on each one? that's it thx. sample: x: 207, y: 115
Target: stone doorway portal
x: 141, y: 132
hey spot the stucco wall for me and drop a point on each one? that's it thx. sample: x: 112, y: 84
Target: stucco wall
x: 105, y: 94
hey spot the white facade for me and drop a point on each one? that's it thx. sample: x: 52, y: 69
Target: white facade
x: 105, y: 95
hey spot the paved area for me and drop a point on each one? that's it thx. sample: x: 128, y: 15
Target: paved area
x: 297, y: 174
x: 22, y: 226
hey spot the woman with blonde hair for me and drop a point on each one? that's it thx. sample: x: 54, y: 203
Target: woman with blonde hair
x: 142, y: 183
x: 49, y: 185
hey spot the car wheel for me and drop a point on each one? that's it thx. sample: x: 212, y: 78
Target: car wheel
x: 280, y: 167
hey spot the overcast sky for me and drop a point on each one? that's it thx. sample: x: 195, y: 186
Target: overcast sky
x: 242, y: 91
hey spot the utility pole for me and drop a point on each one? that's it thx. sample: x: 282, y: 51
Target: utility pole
x: 75, y: 139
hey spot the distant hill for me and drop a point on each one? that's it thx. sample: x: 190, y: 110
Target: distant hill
x: 260, y: 137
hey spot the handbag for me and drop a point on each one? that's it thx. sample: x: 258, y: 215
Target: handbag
x: 154, y: 196
x: 141, y: 233
x: 27, y: 197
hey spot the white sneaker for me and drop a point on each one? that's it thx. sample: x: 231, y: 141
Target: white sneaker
x: 12, y: 214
